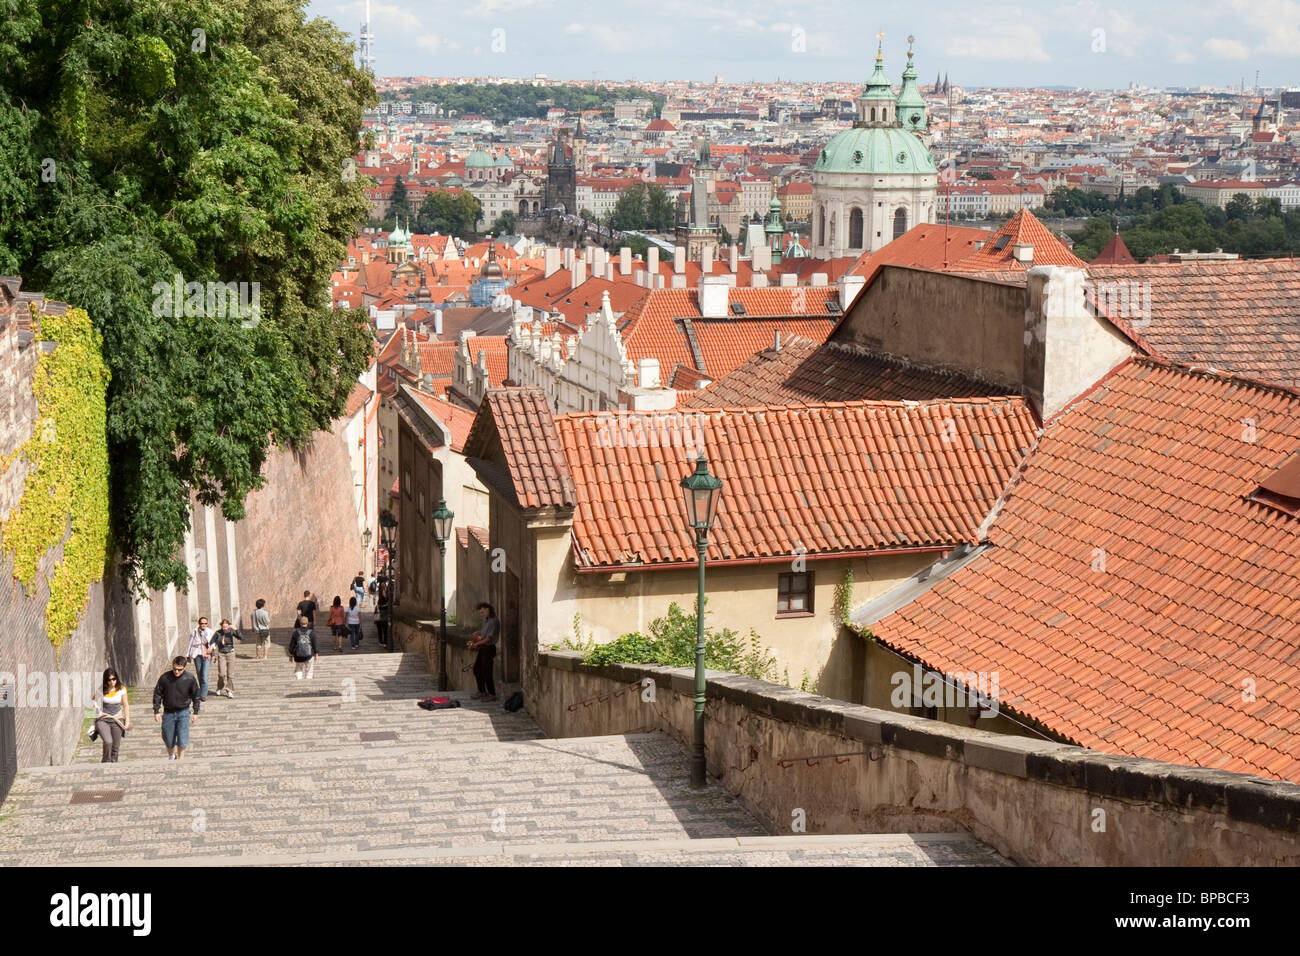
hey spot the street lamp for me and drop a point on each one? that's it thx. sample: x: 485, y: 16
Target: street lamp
x: 702, y: 493
x: 387, y: 536
x: 442, y: 518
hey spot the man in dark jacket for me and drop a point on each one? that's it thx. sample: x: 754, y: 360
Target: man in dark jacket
x: 173, y: 695
x: 303, y: 638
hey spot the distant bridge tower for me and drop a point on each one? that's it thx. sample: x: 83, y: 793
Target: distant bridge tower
x: 366, y: 44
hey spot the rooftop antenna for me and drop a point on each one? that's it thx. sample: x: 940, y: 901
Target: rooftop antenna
x: 367, y: 39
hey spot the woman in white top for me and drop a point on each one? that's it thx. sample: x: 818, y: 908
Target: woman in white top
x: 354, y: 624
x: 112, y: 715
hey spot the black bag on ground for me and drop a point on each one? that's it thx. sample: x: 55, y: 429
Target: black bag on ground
x: 514, y: 702
x: 437, y: 703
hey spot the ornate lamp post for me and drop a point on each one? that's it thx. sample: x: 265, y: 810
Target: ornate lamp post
x: 442, y: 519
x: 702, y: 493
x: 387, y: 539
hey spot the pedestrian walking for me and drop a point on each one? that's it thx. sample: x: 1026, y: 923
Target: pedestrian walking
x: 484, y: 641
x: 173, y: 696
x: 200, y: 653
x: 308, y: 606
x: 383, y: 613
x: 223, y: 648
x: 262, y: 625
x: 354, y: 624
x: 359, y: 587
x: 337, y: 627
x: 302, y: 648
x: 112, y: 715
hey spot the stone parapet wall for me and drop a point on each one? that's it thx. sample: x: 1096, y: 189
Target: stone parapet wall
x: 845, y: 768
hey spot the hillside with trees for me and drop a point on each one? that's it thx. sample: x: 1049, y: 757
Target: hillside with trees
x: 503, y: 102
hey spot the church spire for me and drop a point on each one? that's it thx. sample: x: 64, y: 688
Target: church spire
x: 876, y: 104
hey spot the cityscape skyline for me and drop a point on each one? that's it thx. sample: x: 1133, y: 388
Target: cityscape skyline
x: 1070, y: 43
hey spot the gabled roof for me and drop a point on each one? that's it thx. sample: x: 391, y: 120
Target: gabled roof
x: 1115, y: 253
x: 458, y: 420
x: 837, y: 478
x: 1240, y: 317
x: 927, y: 246
x: 1133, y: 584
x: 519, y: 421
x: 1021, y: 229
x: 804, y: 372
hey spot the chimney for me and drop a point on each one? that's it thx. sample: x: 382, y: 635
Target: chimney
x: 579, y: 274
x: 850, y: 286
x: 706, y: 261
x: 625, y: 261
x: 437, y: 321
x: 647, y: 373
x: 587, y: 253
x: 978, y: 245
x: 1023, y: 253
x: 761, y: 258
x: 552, y: 261
x: 679, y: 260
x: 659, y: 280
x: 652, y: 260
x: 776, y: 341
x: 758, y: 280
x: 713, y: 297
x: 735, y: 258
x: 679, y: 280
x: 567, y: 258
x: 789, y: 280
x: 1067, y: 347
x: 598, y: 259
x: 818, y: 280
x: 609, y: 271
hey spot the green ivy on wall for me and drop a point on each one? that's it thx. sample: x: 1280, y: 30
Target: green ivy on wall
x: 66, y: 491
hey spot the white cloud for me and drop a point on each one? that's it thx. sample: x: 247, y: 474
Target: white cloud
x: 1277, y: 22
x: 1224, y: 49
x: 430, y: 42
x: 999, y: 41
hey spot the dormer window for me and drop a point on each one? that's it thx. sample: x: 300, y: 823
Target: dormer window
x: 1281, y: 488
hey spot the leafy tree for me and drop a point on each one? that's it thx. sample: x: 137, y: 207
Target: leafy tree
x: 209, y: 157
x: 450, y: 213
x: 660, y: 209
x: 504, y: 225
x: 1240, y: 207
x: 399, y: 205
x: 630, y: 209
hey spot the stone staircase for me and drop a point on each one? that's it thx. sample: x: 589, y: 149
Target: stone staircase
x: 346, y: 769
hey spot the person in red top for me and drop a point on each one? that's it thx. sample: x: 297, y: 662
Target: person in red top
x: 336, y: 623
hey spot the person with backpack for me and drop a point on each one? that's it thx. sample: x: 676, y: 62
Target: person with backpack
x: 302, y: 648
x: 308, y: 607
x: 223, y: 646
x: 354, y: 624
x: 485, y: 642
x: 359, y: 587
x: 262, y: 625
x: 336, y: 623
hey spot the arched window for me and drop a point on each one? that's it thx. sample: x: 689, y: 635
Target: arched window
x: 900, y: 222
x: 884, y: 115
x: 832, y: 239
x: 821, y: 225
x: 855, y: 229
x: 873, y: 114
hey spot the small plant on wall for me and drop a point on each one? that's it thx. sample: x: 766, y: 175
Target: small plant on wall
x: 65, y: 497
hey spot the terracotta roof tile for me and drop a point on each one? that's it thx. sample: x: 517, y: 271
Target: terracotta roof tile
x: 1200, y: 588
x: 1022, y: 228
x: 832, y: 478
x: 535, y: 462
x: 804, y: 372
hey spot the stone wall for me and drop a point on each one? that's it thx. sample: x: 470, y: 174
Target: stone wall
x: 853, y: 769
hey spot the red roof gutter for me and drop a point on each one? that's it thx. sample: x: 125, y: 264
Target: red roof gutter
x: 773, y: 559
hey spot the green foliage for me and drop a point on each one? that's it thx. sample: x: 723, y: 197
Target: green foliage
x: 642, y: 207
x: 219, y: 165
x: 671, y: 642
x: 503, y: 225
x: 1255, y: 228
x: 399, y: 205
x: 807, y: 684
x: 66, y: 490
x: 503, y: 102
x: 449, y: 213
x: 843, y: 603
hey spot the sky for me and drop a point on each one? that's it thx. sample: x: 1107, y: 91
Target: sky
x: 1045, y: 43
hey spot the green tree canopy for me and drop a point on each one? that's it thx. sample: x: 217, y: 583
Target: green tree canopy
x: 151, y: 144
x: 449, y: 213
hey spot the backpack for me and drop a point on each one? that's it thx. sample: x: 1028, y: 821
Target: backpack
x: 437, y: 703
x: 514, y: 702
x: 302, y: 644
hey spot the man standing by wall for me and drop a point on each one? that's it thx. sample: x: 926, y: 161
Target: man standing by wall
x: 485, y: 642
x: 172, y: 697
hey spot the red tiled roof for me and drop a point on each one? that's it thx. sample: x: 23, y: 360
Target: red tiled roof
x: 437, y: 359
x: 522, y: 422
x: 805, y: 372
x: 1022, y: 228
x: 357, y: 399
x: 458, y: 420
x: 1200, y: 588
x: 1240, y: 317
x: 1115, y: 253
x: 496, y: 354
x: 850, y: 477
x: 927, y: 246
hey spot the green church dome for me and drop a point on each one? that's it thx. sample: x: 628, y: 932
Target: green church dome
x: 911, y: 110
x: 875, y: 150
x: 478, y: 158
